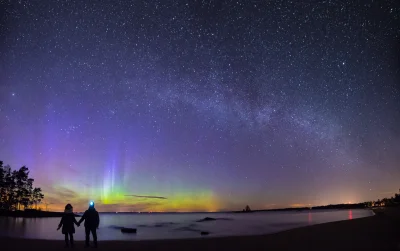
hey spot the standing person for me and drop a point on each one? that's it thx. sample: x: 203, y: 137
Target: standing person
x: 92, y: 221
x: 67, y: 224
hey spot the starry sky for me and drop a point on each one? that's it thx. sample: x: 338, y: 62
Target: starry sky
x: 202, y: 105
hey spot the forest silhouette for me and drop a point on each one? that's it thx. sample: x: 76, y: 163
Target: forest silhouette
x: 16, y: 189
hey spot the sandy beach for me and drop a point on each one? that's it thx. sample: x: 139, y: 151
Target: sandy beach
x: 379, y: 232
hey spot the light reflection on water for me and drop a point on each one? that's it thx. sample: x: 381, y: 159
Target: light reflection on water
x: 171, y: 226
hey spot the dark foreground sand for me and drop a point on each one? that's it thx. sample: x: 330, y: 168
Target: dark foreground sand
x: 379, y: 232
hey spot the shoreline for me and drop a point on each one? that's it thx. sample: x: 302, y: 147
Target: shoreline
x: 378, y: 232
x: 50, y: 214
x: 32, y: 214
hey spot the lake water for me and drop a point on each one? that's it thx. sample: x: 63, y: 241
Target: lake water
x: 176, y: 226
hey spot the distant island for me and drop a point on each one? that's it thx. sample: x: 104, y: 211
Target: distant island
x: 337, y: 206
x: 386, y: 202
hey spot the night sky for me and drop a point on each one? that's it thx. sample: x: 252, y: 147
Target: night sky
x: 202, y: 105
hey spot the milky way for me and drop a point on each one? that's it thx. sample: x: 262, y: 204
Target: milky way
x: 210, y: 105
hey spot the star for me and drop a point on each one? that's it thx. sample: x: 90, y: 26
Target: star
x: 129, y: 94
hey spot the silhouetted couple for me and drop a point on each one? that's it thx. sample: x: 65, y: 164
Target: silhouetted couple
x: 92, y: 221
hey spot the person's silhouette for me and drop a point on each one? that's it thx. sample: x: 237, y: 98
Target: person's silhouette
x: 92, y: 221
x: 67, y: 224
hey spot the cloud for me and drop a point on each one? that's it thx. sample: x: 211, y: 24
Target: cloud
x: 126, y: 207
x: 299, y: 205
x: 63, y: 192
x: 60, y: 195
x: 270, y: 206
x: 54, y: 200
x: 147, y: 196
x: 388, y: 192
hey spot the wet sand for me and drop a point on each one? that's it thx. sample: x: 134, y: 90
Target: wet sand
x: 379, y: 232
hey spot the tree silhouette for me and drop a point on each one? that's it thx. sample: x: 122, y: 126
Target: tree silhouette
x: 396, y: 199
x: 7, y: 188
x: 37, y: 196
x: 2, y: 185
x: 16, y: 189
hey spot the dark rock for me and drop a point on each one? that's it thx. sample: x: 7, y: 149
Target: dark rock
x: 128, y: 230
x: 204, y: 233
x: 206, y: 219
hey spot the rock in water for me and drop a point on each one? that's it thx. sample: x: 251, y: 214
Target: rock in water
x: 204, y: 233
x: 206, y: 219
x: 128, y: 230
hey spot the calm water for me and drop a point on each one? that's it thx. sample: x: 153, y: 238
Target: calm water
x: 172, y: 226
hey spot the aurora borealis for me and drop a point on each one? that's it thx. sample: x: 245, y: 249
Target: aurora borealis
x: 211, y: 105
